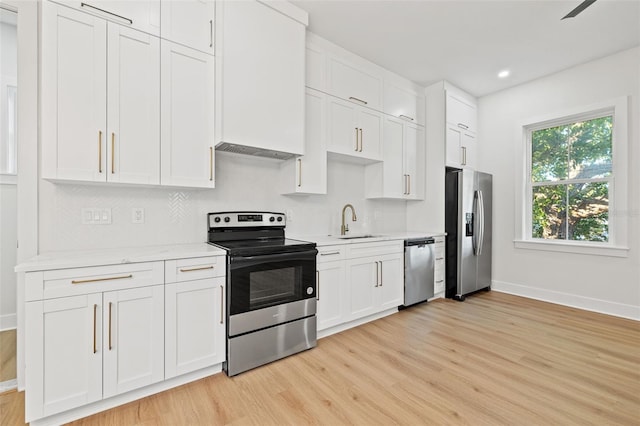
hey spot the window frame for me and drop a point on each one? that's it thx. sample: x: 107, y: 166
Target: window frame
x: 617, y: 244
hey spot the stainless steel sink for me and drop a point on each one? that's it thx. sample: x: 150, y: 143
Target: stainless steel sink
x: 353, y: 237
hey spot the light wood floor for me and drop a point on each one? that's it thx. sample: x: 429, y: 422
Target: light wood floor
x: 7, y: 355
x: 494, y: 359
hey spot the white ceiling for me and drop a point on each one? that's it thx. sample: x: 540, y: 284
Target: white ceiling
x: 468, y: 42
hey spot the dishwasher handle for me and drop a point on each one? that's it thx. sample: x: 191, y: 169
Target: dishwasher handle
x: 419, y: 242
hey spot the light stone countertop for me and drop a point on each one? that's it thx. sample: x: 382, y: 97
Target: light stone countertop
x: 330, y: 240
x: 100, y: 257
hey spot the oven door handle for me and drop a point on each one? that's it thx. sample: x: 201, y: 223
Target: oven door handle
x: 244, y: 261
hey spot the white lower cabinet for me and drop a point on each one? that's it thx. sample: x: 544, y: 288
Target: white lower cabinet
x: 439, y: 272
x: 133, y: 339
x: 358, y: 280
x: 194, y: 325
x: 330, y: 293
x: 97, y: 332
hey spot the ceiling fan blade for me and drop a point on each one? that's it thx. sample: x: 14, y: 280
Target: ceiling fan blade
x: 582, y: 6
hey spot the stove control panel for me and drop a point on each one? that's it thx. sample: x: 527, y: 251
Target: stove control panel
x: 246, y: 219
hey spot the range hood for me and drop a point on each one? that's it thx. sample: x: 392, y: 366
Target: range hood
x: 251, y: 150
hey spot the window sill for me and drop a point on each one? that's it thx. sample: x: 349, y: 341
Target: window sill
x: 575, y: 248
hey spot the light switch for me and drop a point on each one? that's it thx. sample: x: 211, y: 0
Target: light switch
x: 137, y: 215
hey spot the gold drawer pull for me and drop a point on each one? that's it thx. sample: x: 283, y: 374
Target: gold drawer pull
x: 95, y: 311
x: 196, y: 269
x: 329, y: 253
x: 110, y: 346
x: 101, y: 279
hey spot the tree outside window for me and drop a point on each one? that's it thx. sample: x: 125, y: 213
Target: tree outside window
x: 571, y: 179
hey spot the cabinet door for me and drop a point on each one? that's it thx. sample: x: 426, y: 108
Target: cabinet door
x: 461, y: 112
x: 343, y: 136
x: 190, y: 23
x: 73, y: 97
x: 468, y: 145
x: 63, y: 354
x: 403, y: 103
x: 194, y: 325
x: 390, y: 292
x: 349, y: 81
x: 410, y: 161
x: 133, y: 339
x: 265, y: 112
x: 187, y: 117
x: 133, y: 115
x: 331, y: 296
x: 454, y: 146
x: 143, y: 15
x: 363, y: 279
x: 394, y: 177
x: 370, y: 133
x: 311, y: 177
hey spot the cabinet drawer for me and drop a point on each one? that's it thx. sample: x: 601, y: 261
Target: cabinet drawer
x: 76, y: 281
x: 439, y: 252
x: 196, y: 268
x: 330, y: 253
x: 439, y: 270
x: 374, y: 249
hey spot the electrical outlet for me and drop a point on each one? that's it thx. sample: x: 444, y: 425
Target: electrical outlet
x: 289, y: 215
x: 95, y: 216
x: 137, y: 215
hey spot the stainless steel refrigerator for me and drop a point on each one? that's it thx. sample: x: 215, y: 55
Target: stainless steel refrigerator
x: 468, y: 199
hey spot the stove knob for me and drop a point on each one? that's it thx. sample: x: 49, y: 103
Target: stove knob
x: 227, y: 219
x: 217, y: 219
x: 309, y: 291
x: 279, y: 218
x: 271, y: 219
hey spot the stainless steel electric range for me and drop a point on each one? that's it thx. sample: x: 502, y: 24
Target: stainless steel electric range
x: 271, y: 288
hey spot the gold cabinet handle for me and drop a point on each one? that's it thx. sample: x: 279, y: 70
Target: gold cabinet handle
x: 113, y: 153
x: 381, y: 280
x: 357, y: 100
x: 107, y: 12
x: 110, y: 346
x: 329, y: 253
x: 360, y: 139
x: 463, y: 126
x: 211, y: 164
x: 202, y: 268
x: 409, y: 185
x: 405, y: 184
x: 221, y: 304
x: 94, y: 280
x: 99, y: 151
x: 210, y: 33
x: 406, y: 117
x: 377, y: 275
x: 95, y: 312
x: 357, y: 140
x: 299, y: 172
x: 318, y: 286
x: 464, y: 155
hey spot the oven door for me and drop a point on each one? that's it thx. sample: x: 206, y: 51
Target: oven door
x: 271, y: 289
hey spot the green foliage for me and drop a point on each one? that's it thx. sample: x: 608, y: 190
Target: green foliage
x: 576, y: 151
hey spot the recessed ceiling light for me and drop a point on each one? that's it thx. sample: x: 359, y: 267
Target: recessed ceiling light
x: 504, y: 74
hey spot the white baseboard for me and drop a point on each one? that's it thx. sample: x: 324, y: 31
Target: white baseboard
x: 8, y: 322
x: 8, y: 385
x: 572, y: 300
x: 347, y: 325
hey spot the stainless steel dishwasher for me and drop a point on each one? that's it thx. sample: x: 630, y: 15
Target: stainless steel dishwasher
x: 419, y: 263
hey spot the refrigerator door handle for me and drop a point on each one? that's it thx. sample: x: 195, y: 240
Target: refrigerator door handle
x: 481, y: 220
x: 475, y: 219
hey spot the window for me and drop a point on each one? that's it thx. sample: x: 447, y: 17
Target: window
x: 574, y: 187
x: 571, y: 175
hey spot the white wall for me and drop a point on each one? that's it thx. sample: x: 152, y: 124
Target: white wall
x: 605, y: 284
x: 174, y: 216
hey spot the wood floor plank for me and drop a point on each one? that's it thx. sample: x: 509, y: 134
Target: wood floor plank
x: 495, y: 359
x: 7, y: 355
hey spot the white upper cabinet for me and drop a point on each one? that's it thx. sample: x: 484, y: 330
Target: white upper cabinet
x: 81, y: 139
x: 353, y: 130
x: 315, y: 67
x: 190, y: 23
x: 354, y: 83
x: 133, y: 106
x: 143, y: 15
x: 307, y: 174
x: 73, y: 94
x: 187, y: 112
x: 461, y: 112
x: 261, y: 54
x: 404, y: 103
x: 401, y: 174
